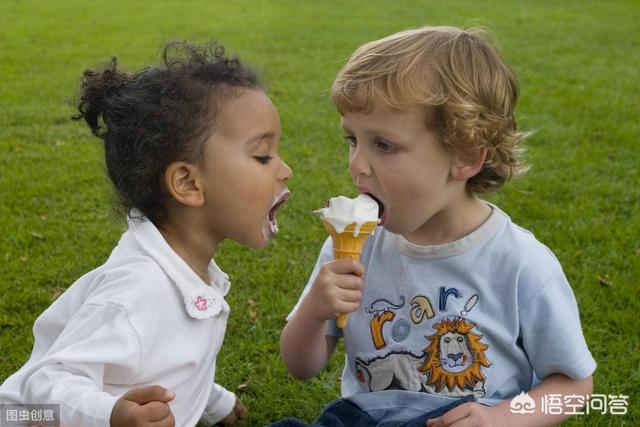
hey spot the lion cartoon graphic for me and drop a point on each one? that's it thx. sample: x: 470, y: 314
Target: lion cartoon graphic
x: 455, y: 356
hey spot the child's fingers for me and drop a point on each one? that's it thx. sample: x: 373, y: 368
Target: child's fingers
x: 347, y: 266
x: 155, y: 411
x: 240, y: 415
x: 348, y: 302
x: 148, y: 394
x: 169, y: 421
x: 349, y: 282
x: 240, y: 410
x: 351, y: 295
x: 456, y: 415
x: 346, y: 308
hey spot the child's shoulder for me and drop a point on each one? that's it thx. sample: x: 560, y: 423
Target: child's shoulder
x: 534, y: 265
x: 128, y: 281
x: 522, y: 244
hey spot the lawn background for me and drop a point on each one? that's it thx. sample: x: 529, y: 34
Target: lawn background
x: 577, y: 62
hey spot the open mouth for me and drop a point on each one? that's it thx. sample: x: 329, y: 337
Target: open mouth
x: 382, y: 217
x: 273, y: 212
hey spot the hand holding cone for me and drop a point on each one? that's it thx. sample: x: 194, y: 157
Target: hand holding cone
x: 350, y: 222
x: 346, y: 245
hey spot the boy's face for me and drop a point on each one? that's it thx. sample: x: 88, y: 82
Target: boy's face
x: 245, y: 180
x: 397, y: 159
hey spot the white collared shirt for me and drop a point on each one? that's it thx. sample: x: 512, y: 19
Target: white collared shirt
x: 142, y: 318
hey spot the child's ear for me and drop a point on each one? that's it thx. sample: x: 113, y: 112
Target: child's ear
x: 463, y: 169
x: 182, y: 181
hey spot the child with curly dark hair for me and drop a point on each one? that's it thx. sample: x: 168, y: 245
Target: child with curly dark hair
x: 192, y: 148
x: 460, y: 309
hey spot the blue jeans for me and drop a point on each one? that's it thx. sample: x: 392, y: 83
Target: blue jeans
x: 343, y: 413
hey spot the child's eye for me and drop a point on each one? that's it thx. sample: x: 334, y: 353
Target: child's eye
x: 351, y: 140
x: 385, y: 147
x: 263, y: 159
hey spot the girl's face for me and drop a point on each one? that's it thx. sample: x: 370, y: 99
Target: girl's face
x: 245, y: 178
x: 397, y: 159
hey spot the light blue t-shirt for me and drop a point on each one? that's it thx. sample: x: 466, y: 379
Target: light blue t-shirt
x: 484, y: 315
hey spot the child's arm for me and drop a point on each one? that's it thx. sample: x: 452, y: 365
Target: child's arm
x: 304, y: 345
x: 97, y: 339
x: 500, y: 415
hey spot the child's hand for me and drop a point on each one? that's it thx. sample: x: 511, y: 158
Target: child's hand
x: 337, y: 289
x: 468, y: 414
x: 236, y: 416
x: 142, y: 407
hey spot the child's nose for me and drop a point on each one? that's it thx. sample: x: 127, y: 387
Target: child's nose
x: 358, y: 163
x: 285, y: 172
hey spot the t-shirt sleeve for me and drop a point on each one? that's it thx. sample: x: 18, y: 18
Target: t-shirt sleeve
x: 551, y: 332
x: 326, y: 255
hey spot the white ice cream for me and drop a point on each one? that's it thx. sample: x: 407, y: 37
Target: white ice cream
x: 343, y: 211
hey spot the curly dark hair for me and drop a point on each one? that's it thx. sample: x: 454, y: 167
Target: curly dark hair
x: 157, y: 116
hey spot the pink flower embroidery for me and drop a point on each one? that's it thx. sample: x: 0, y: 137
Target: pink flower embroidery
x: 200, y: 303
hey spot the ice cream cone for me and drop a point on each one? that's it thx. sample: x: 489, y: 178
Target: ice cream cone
x: 346, y: 245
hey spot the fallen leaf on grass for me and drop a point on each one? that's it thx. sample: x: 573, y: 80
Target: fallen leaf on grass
x: 253, y: 315
x: 244, y: 384
x: 37, y: 235
x: 604, y: 281
x: 24, y: 258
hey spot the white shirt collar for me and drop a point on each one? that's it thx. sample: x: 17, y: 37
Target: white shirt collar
x: 201, y: 300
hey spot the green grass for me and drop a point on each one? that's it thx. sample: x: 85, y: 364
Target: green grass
x: 578, y: 66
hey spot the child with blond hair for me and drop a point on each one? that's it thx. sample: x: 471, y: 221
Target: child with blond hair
x: 460, y: 309
x: 192, y: 149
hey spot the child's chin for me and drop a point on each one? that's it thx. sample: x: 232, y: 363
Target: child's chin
x: 257, y: 243
x: 263, y: 239
x: 254, y: 240
x: 261, y: 244
x: 390, y: 227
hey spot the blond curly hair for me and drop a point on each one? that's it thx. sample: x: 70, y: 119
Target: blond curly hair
x: 457, y: 78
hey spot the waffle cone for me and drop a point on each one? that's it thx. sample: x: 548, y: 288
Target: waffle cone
x: 345, y: 244
x: 348, y: 246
